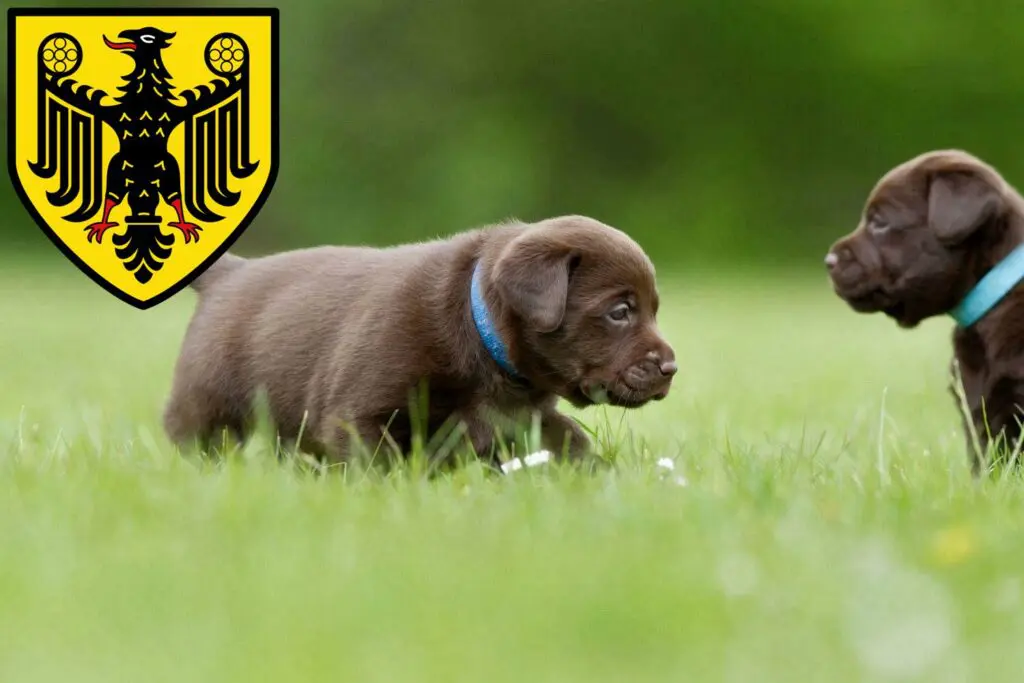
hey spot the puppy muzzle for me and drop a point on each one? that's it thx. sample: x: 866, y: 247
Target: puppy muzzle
x: 856, y: 276
x: 648, y: 380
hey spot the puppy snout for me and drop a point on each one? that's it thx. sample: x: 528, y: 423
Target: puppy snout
x: 840, y: 254
x: 664, y: 361
x: 658, y: 372
x: 843, y: 266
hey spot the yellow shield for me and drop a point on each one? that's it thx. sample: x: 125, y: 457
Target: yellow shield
x: 144, y: 143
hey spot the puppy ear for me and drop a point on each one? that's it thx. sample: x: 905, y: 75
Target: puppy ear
x: 959, y: 204
x: 532, y: 277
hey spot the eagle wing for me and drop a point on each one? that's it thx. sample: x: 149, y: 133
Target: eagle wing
x: 217, y: 131
x: 69, y: 135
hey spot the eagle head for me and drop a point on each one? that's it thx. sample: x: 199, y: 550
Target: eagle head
x: 142, y: 42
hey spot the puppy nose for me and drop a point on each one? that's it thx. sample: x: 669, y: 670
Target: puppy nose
x: 831, y: 260
x: 666, y: 363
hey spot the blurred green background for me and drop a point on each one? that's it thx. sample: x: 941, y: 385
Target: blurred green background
x: 717, y: 132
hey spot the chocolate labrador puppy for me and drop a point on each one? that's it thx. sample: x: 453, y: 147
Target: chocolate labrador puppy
x: 942, y: 234
x: 495, y: 324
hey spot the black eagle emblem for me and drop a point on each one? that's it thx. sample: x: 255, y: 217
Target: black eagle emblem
x: 143, y: 174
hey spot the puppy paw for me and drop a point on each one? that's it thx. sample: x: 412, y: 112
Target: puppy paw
x: 563, y: 437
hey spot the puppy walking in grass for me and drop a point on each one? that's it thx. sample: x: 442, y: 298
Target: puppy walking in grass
x: 497, y: 324
x: 942, y: 234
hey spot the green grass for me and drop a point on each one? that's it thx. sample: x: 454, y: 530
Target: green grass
x: 829, y: 531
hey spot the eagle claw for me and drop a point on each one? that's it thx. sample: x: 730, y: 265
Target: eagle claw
x: 97, y: 229
x: 189, y: 231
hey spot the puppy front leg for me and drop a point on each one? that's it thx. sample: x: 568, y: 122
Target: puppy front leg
x: 974, y: 456
x: 562, y: 436
x: 999, y: 417
x: 479, y: 433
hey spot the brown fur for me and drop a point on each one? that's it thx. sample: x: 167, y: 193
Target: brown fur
x: 340, y: 336
x: 931, y: 228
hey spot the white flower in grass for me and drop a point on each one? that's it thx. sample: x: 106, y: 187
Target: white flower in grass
x: 668, y: 465
x: 531, y: 460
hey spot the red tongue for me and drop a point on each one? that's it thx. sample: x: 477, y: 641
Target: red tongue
x: 118, y: 46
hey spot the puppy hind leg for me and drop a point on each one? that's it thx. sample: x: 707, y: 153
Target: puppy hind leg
x: 195, y: 422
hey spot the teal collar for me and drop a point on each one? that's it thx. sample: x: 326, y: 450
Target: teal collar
x: 990, y: 289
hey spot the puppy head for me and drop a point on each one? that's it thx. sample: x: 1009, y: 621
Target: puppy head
x: 928, y: 232
x: 583, y: 301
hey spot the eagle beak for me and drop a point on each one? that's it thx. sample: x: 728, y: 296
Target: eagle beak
x: 119, y: 46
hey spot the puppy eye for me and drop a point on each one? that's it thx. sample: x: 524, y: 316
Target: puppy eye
x: 877, y: 225
x: 619, y: 313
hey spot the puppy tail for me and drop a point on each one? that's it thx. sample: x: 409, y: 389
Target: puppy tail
x: 225, y: 265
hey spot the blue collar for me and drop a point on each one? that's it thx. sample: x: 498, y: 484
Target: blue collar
x: 990, y: 289
x: 485, y: 325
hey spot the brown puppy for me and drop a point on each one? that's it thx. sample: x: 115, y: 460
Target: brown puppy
x: 932, y: 229
x: 499, y: 323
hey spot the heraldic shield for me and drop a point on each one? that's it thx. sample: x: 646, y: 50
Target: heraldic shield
x: 143, y: 143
